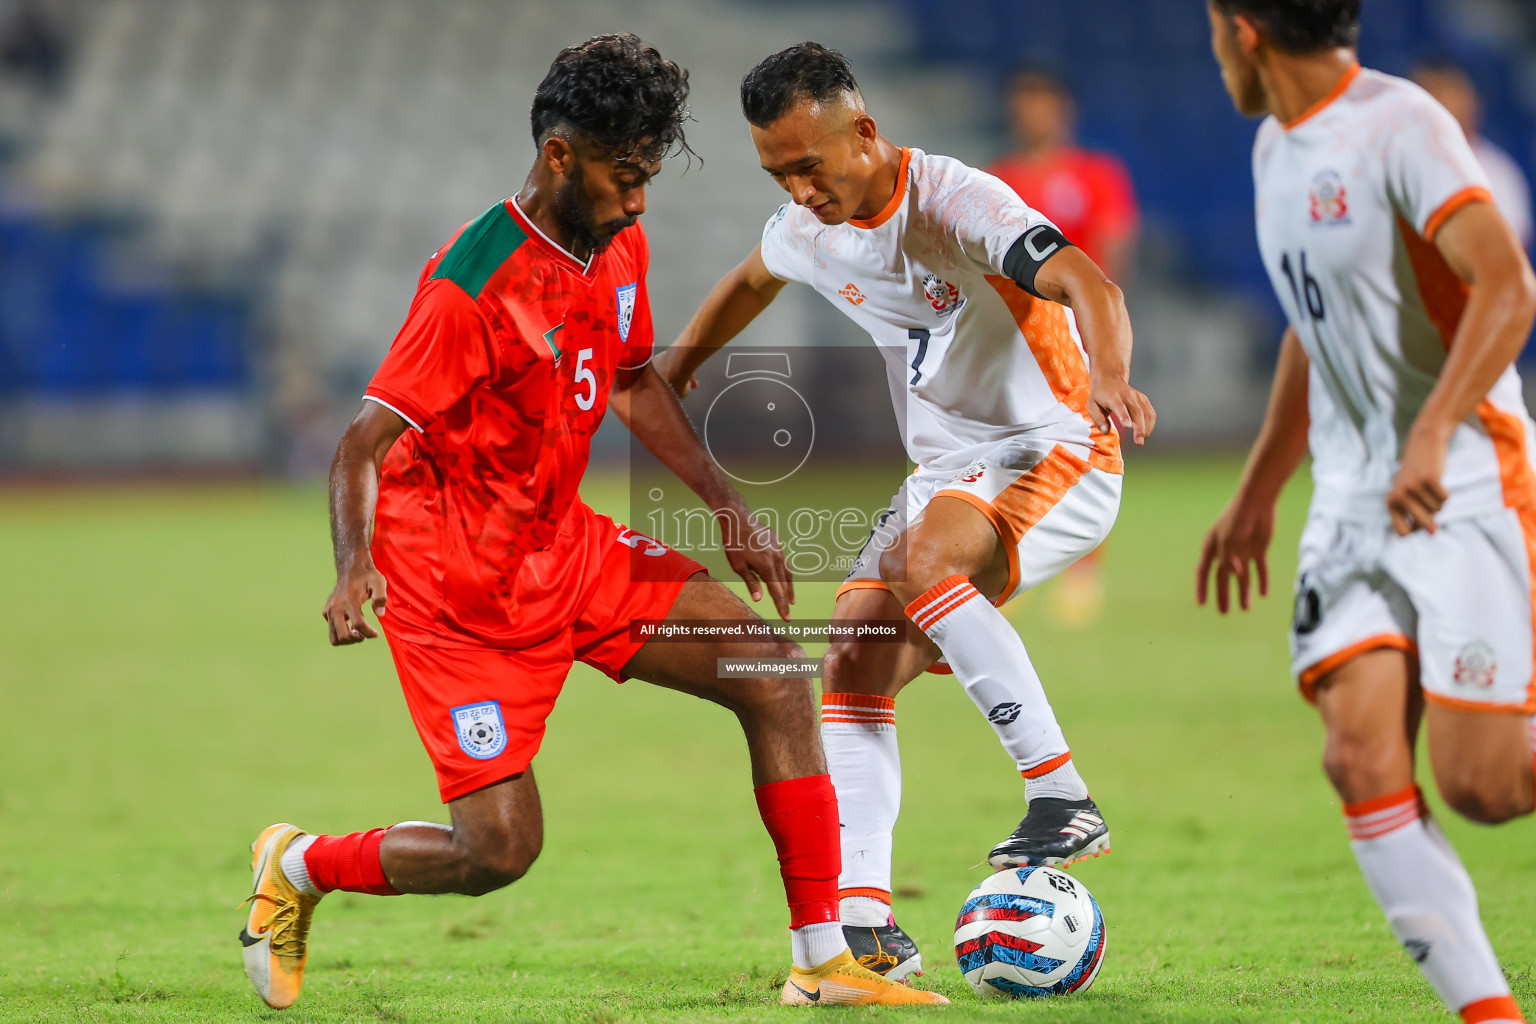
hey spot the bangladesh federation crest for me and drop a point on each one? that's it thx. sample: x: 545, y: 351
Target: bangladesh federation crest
x: 482, y: 733
x: 626, y: 294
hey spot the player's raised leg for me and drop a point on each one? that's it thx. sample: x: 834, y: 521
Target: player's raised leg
x: 794, y: 792
x: 949, y: 545
x: 481, y: 714
x: 1370, y: 708
x: 1482, y: 762
x: 496, y: 835
x: 860, y: 681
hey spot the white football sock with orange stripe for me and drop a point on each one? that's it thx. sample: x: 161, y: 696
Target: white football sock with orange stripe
x: 990, y: 661
x: 1056, y: 778
x: 1430, y: 903
x: 858, y: 731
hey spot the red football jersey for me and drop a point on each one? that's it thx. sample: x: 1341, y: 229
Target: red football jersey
x: 503, y: 370
x: 1087, y: 195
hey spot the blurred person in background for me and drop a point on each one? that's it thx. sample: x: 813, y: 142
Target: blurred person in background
x: 1449, y: 83
x: 1089, y: 196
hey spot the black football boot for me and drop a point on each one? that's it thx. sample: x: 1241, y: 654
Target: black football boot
x: 885, y: 949
x: 1054, y: 834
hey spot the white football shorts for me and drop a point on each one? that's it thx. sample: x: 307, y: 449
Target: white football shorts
x: 1459, y: 599
x: 1047, y: 503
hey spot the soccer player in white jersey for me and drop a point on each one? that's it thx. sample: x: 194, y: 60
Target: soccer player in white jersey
x: 1409, y: 298
x: 1007, y: 352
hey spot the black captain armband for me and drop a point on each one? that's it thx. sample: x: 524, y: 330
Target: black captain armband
x: 1029, y: 252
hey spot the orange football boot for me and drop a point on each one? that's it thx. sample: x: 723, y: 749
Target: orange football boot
x: 276, y: 933
x: 842, y: 982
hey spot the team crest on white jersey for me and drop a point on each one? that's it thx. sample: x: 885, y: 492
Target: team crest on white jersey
x: 942, y: 296
x: 1476, y: 666
x: 482, y: 733
x: 970, y: 474
x: 626, y: 293
x: 1329, y: 201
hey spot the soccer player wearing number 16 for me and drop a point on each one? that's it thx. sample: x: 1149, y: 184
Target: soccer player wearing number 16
x: 465, y: 459
x: 1408, y: 298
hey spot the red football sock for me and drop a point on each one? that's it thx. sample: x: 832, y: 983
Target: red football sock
x: 350, y: 863
x: 801, y: 816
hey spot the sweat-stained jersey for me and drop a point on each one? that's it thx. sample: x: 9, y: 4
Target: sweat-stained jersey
x: 503, y: 370
x: 971, y: 357
x: 1350, y: 197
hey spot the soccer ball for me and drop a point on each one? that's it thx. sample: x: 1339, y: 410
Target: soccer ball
x: 1029, y: 932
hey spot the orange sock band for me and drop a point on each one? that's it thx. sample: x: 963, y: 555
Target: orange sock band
x: 941, y: 599
x: 866, y: 709
x: 1493, y: 1008
x: 1046, y: 767
x: 870, y: 894
x: 1372, y: 819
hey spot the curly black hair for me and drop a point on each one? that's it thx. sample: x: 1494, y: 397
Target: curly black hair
x: 619, y: 93
x: 804, y: 71
x: 1302, y: 26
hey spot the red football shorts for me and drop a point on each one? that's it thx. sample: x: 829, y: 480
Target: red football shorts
x: 480, y: 711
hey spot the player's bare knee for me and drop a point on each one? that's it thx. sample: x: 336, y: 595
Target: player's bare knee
x: 860, y: 667
x: 1488, y: 801
x: 1359, y: 767
x: 842, y: 669
x: 911, y: 573
x: 496, y: 867
x: 782, y: 701
x: 495, y: 858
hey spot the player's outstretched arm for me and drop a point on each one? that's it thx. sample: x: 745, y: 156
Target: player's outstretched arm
x: 354, y: 495
x: 652, y: 412
x: 1242, y: 532
x: 731, y: 304
x: 1072, y: 279
x: 1483, y: 251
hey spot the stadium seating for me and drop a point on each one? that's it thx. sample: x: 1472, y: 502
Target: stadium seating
x: 1146, y: 85
x: 310, y: 155
x: 234, y: 198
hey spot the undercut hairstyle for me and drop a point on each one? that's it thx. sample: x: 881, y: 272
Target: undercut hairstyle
x: 619, y: 94
x: 805, y: 71
x: 1301, y: 26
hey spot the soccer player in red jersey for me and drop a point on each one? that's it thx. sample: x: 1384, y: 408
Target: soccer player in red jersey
x: 1089, y: 197
x: 465, y: 458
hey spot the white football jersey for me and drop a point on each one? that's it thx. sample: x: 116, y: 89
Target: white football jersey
x: 1350, y: 197
x: 1510, y: 190
x: 971, y: 357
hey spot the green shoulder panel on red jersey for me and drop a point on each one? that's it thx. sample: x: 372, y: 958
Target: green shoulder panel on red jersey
x: 480, y: 248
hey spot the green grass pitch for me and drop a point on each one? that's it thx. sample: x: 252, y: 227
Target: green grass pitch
x: 166, y: 691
